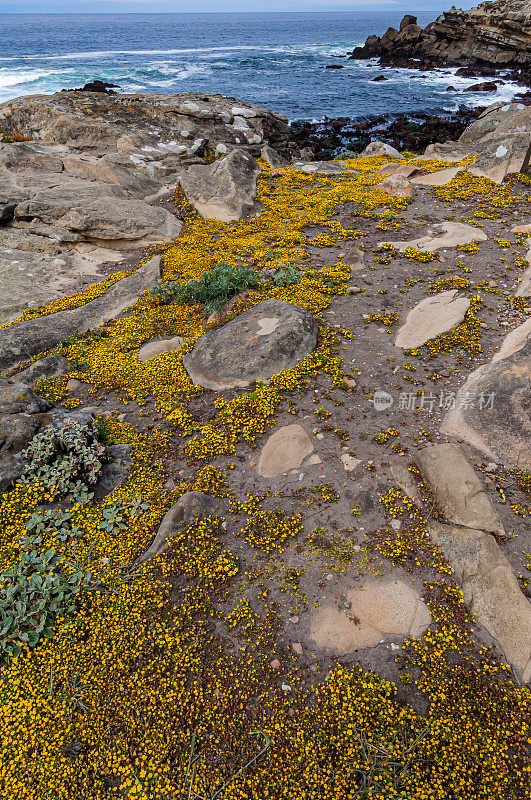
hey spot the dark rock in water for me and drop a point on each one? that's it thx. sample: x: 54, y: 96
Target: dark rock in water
x: 486, y: 86
x: 269, y: 338
x: 96, y: 86
x: 334, y: 66
x: 191, y: 506
x: 380, y: 78
x: 451, y: 89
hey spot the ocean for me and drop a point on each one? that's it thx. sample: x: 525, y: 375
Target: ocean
x: 276, y: 60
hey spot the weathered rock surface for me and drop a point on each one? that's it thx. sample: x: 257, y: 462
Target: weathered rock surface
x: 22, y: 413
x: 93, y: 173
x: 443, y: 235
x: 284, y: 450
x: 406, y: 170
x: 432, y: 316
x: 459, y: 492
x: 158, y: 346
x: 18, y: 398
x: 26, y: 339
x: 115, y: 472
x: 494, y: 33
x: 396, y: 186
x: 490, y: 590
x: 191, y: 506
x: 379, y: 610
x: 439, y: 178
x: 269, y: 338
x: 380, y: 149
x: 499, y: 423
x: 224, y: 190
x: 501, y: 137
x: 321, y: 167
x: 52, y: 366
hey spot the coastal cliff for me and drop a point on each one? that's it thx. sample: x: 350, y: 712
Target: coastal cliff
x: 495, y: 34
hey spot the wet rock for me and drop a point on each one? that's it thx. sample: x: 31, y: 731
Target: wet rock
x: 484, y: 86
x: 432, y: 316
x: 379, y: 79
x: 158, y: 346
x: 285, y: 449
x: 269, y: 338
x: 191, y: 506
x: 459, y: 492
x: 378, y: 610
x: 30, y: 337
x: 497, y: 422
x: 490, y: 590
x: 224, y: 190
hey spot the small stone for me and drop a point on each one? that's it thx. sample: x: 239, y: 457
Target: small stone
x: 73, y: 384
x: 286, y: 687
x: 275, y: 664
x: 294, y: 620
x: 349, y: 462
x: 297, y: 648
x: 396, y: 524
x: 350, y: 382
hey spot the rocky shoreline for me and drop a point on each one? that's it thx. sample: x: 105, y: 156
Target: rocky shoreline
x: 490, y: 37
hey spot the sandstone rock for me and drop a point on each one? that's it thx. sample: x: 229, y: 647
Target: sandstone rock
x: 406, y: 482
x: 26, y: 339
x: 406, y: 170
x: 379, y: 610
x: 380, y: 149
x: 285, y: 449
x: 349, y: 462
x: 490, y: 590
x: 439, y: 178
x: 521, y: 229
x: 52, y: 366
x: 158, y: 346
x: 18, y: 398
x: 274, y: 159
x: 500, y: 137
x: 443, y: 235
x: 224, y: 190
x: 434, y: 315
x: 396, y: 186
x: 458, y: 490
x: 191, y: 506
x: 321, y: 167
x: 269, y: 338
x: 498, y: 422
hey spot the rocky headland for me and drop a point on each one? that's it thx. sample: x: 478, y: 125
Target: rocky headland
x: 265, y: 456
x: 491, y: 36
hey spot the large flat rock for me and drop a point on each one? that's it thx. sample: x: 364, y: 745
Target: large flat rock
x: 498, y: 420
x: 25, y: 339
x: 443, y: 235
x: 490, y: 590
x: 379, y: 610
x: 285, y: 449
x: 269, y: 338
x: 457, y: 488
x: 431, y: 317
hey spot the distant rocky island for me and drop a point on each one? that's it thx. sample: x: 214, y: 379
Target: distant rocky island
x: 490, y: 36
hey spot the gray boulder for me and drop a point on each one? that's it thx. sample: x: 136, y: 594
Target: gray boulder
x: 380, y: 149
x: 191, y: 506
x: 52, y: 366
x: 18, y: 398
x: 114, y: 473
x: 498, y: 421
x: 26, y: 339
x: 224, y: 190
x: 269, y: 338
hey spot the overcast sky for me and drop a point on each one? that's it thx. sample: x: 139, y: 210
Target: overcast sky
x: 165, y: 6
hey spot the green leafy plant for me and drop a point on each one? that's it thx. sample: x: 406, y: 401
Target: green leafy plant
x: 54, y: 522
x: 33, y: 593
x: 213, y: 289
x: 66, y: 457
x: 287, y: 276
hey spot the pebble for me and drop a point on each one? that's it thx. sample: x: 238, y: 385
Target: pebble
x: 275, y: 664
x: 294, y: 620
x: 73, y: 384
x: 286, y: 687
x: 297, y: 648
x: 396, y: 524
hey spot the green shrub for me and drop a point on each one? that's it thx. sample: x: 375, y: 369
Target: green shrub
x: 287, y: 276
x: 67, y: 458
x: 33, y: 593
x: 213, y: 289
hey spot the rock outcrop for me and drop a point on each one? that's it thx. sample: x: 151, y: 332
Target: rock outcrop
x: 93, y: 179
x: 493, y: 34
